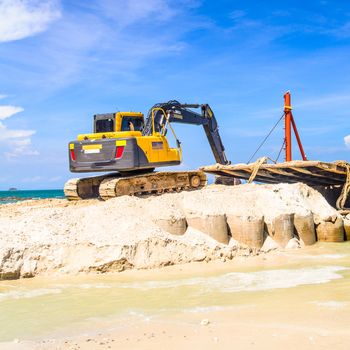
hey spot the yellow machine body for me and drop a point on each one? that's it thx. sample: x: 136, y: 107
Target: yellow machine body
x: 155, y: 147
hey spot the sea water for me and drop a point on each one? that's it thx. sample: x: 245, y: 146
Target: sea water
x: 18, y: 195
x: 312, y: 282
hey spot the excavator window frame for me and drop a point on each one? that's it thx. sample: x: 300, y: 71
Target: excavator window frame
x: 102, y: 128
x: 134, y: 120
x: 103, y: 118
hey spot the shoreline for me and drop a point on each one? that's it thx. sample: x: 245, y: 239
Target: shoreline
x: 220, y: 332
x: 261, y: 320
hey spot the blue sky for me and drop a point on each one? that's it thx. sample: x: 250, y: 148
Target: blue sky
x: 63, y: 61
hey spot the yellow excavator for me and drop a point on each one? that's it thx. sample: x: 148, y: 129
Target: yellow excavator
x: 130, y: 148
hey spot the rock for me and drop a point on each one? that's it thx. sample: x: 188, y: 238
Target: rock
x: 248, y: 230
x: 11, y: 261
x: 293, y: 244
x: 28, y: 268
x: 269, y: 245
x: 328, y: 231
x: 213, y: 225
x: 305, y: 228
x: 199, y: 255
x: 319, y: 219
x: 283, y: 229
x: 205, y: 322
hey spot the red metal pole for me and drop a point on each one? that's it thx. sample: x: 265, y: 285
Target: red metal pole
x: 287, y: 126
x: 298, y: 139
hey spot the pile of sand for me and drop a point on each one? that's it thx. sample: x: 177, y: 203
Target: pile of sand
x: 56, y: 236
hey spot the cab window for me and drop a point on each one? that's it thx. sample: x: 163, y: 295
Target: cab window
x: 105, y: 125
x: 132, y: 124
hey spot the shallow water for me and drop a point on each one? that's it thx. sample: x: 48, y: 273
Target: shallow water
x: 20, y: 195
x: 311, y: 280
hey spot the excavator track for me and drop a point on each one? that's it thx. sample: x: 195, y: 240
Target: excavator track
x: 116, y: 185
x: 84, y: 188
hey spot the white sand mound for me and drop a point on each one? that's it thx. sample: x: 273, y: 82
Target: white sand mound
x: 56, y: 236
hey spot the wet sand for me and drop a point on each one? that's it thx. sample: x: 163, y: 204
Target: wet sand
x: 226, y: 330
x: 297, y: 299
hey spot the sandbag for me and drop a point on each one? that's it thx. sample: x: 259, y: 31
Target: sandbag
x: 214, y: 226
x: 328, y: 231
x: 305, y: 228
x: 173, y: 225
x: 247, y: 229
x: 347, y: 229
x: 283, y: 229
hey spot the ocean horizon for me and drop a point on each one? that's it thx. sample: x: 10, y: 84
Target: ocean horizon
x: 20, y: 195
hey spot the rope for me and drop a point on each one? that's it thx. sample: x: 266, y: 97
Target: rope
x: 255, y: 168
x: 279, y: 153
x: 262, y: 143
x: 346, y: 188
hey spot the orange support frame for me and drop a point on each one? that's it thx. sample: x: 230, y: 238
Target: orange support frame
x: 288, y: 124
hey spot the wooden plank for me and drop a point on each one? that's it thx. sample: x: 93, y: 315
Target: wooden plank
x: 310, y: 172
x: 315, y: 177
x: 329, y: 173
x: 241, y: 175
x: 299, y: 177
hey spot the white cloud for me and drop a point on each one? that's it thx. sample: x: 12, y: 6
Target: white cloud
x: 16, y: 142
x: 347, y: 141
x: 8, y: 134
x: 73, y: 52
x: 2, y: 96
x: 20, y: 149
x: 23, y: 18
x: 325, y: 100
x: 9, y: 111
x: 132, y: 11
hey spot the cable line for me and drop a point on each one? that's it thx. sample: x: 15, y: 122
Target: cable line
x: 262, y: 143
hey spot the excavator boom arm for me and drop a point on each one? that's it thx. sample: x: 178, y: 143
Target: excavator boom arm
x: 181, y: 113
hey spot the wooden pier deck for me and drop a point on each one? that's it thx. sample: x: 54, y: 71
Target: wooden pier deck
x: 312, y: 173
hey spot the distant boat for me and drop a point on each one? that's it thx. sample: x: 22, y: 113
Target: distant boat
x: 13, y: 189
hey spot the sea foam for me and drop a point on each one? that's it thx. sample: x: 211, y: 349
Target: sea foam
x: 25, y: 294
x: 249, y: 281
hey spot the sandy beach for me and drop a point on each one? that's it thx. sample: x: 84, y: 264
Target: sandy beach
x: 307, y: 313
x: 285, y: 299
x: 53, y: 236
x: 176, y: 271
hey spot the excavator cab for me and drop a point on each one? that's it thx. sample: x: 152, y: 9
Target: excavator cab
x: 116, y: 122
x: 104, y: 122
